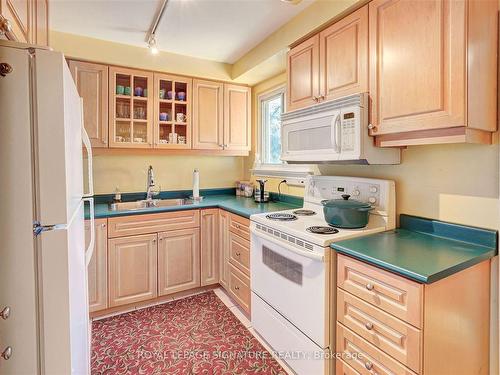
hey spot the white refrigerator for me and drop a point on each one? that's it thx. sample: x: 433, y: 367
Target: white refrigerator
x: 44, y: 317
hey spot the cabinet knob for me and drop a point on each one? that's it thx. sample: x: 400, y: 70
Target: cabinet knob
x: 372, y: 127
x: 5, y: 69
x: 321, y: 97
x: 7, y: 353
x: 369, y: 326
x: 238, y: 254
x: 236, y: 287
x: 368, y: 365
x: 5, y: 313
x: 103, y: 225
x: 369, y: 286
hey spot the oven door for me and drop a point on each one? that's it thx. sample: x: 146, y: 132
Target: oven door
x: 292, y: 281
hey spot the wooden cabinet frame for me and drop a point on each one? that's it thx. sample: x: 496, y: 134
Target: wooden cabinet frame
x: 209, y: 246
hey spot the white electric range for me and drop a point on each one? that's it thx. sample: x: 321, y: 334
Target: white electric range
x: 292, y: 268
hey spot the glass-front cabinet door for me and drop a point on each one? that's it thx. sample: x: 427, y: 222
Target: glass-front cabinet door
x: 131, y: 108
x: 172, y: 111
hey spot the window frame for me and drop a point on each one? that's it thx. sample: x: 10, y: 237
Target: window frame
x: 295, y: 174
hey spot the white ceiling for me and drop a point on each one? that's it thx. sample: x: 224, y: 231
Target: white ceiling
x: 220, y: 30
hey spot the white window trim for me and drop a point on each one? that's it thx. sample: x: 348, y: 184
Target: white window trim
x: 295, y: 174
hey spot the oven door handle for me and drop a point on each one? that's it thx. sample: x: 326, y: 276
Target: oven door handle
x: 304, y: 253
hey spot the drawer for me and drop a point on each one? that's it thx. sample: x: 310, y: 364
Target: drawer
x: 239, y: 288
x: 391, y: 293
x: 152, y: 223
x: 400, y: 340
x: 240, y: 226
x: 239, y: 253
x: 365, y: 358
x: 342, y: 368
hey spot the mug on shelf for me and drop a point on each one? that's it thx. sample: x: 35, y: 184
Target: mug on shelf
x: 172, y: 138
x: 180, y: 117
x: 145, y: 93
x: 182, y: 139
x: 120, y: 89
x: 170, y: 94
x: 162, y: 93
x: 181, y: 96
x: 163, y: 116
x: 138, y: 91
x: 127, y: 90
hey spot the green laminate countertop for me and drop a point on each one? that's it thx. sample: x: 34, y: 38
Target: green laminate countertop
x: 238, y: 205
x: 423, y: 250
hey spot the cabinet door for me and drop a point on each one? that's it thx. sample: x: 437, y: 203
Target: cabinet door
x: 303, y: 74
x: 417, y: 65
x: 237, y: 124
x: 40, y: 24
x: 97, y: 270
x: 178, y: 260
x: 92, y: 83
x: 130, y: 108
x: 19, y: 13
x: 224, y: 248
x: 344, y: 56
x: 209, y: 247
x: 208, y: 116
x: 132, y: 269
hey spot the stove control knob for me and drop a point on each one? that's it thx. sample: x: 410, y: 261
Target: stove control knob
x: 373, y: 189
x: 356, y: 193
x: 372, y: 200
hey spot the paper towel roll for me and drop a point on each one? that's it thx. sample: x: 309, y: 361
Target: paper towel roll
x: 196, y: 183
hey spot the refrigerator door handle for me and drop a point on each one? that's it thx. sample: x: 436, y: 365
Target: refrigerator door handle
x: 90, y: 250
x: 88, y: 147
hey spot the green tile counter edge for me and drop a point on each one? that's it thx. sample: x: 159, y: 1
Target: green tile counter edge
x: 224, y: 198
x: 423, y: 250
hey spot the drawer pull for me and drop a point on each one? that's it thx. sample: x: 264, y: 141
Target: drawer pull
x: 237, y: 226
x: 236, y: 287
x: 238, y: 254
x: 368, y: 365
x: 7, y: 353
x: 5, y: 313
x: 369, y: 326
x: 369, y: 286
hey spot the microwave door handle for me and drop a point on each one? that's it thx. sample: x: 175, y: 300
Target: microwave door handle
x: 334, y: 133
x: 338, y: 133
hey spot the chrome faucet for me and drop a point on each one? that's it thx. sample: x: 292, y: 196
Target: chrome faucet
x: 151, y: 184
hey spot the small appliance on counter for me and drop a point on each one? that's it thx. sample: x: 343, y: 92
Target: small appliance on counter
x: 261, y: 195
x: 244, y: 189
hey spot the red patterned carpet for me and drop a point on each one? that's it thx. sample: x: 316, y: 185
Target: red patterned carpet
x: 194, y: 335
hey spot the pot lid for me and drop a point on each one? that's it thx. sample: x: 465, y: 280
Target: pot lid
x: 345, y: 202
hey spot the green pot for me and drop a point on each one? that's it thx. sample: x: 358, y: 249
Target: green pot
x: 346, y: 213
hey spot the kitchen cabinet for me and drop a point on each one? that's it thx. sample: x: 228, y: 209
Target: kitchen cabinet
x: 178, y: 260
x: 224, y: 248
x: 303, y: 74
x: 172, y: 111
x: 132, y: 269
x: 391, y: 325
x: 97, y: 270
x: 237, y: 109
x: 208, y: 115
x: 130, y: 108
x: 343, y: 52
x: 239, y: 288
x: 209, y: 246
x: 433, y: 71
x: 28, y: 20
x: 92, y: 83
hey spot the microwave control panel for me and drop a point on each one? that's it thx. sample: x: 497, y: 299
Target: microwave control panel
x: 348, y: 121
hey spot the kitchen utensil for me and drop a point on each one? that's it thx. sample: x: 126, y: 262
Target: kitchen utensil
x: 181, y: 95
x: 346, y: 213
x: 120, y: 89
x: 261, y: 195
x: 180, y: 117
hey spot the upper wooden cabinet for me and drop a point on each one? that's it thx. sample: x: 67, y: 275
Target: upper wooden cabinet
x: 303, y: 74
x: 172, y: 111
x: 130, y: 108
x: 343, y: 56
x: 92, y: 83
x: 28, y: 20
x: 97, y: 274
x: 433, y: 71
x: 208, y: 115
x: 237, y: 126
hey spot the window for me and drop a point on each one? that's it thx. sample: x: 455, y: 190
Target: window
x: 271, y: 108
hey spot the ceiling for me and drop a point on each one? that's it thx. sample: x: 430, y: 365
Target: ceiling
x: 219, y: 30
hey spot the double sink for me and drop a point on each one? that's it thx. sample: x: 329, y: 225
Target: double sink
x: 149, y: 203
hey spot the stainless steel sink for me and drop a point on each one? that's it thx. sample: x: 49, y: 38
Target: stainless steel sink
x: 144, y: 204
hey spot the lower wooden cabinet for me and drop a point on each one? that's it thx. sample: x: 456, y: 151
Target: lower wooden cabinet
x: 209, y: 254
x: 132, y: 269
x: 224, y: 248
x: 239, y: 288
x: 97, y: 271
x: 178, y: 260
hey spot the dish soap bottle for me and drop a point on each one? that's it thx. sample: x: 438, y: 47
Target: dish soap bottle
x: 118, y: 196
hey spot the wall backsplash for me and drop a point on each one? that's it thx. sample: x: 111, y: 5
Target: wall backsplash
x: 129, y: 173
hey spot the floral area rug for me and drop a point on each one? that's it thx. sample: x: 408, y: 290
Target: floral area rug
x: 194, y: 335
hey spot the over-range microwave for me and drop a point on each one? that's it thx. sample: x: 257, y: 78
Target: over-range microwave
x: 333, y: 132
